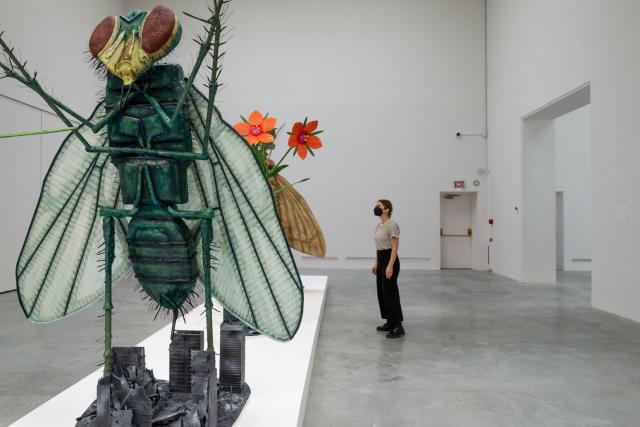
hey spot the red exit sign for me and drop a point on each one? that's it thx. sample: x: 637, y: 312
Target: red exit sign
x: 458, y: 184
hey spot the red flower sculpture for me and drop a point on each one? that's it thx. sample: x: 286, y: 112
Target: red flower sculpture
x: 303, y: 138
x: 257, y: 128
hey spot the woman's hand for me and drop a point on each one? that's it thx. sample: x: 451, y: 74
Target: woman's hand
x: 374, y: 269
x: 389, y: 271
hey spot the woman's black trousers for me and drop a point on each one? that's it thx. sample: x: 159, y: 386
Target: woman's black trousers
x: 388, y: 294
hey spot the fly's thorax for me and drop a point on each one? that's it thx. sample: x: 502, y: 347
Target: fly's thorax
x: 164, y: 81
x: 140, y: 125
x: 167, y: 178
x: 163, y: 254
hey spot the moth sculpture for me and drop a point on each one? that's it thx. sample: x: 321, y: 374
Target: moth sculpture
x: 155, y: 181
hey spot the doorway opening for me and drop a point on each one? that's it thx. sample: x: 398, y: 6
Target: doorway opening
x: 556, y: 188
x: 559, y: 231
x: 457, y: 224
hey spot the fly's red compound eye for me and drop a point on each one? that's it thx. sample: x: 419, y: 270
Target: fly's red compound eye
x: 158, y: 29
x: 101, y: 35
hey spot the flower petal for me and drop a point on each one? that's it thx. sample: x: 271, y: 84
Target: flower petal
x: 252, y: 139
x: 297, y: 128
x: 302, y: 151
x: 293, y: 140
x: 265, y: 137
x: 255, y: 119
x: 242, y: 128
x: 268, y: 124
x: 314, y: 142
x: 311, y: 126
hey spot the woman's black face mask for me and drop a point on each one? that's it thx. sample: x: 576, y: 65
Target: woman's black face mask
x: 377, y: 211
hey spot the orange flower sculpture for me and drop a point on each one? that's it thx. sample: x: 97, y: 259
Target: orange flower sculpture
x: 303, y: 138
x: 261, y: 133
x: 298, y: 222
x: 257, y: 129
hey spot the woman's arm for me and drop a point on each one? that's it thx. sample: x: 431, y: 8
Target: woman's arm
x: 395, y: 242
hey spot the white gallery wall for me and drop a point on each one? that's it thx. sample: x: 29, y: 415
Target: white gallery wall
x: 539, y: 50
x: 53, y: 37
x: 391, y: 83
x: 573, y: 178
x: 537, y: 208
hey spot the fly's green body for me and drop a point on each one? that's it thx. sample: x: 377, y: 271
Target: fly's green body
x: 155, y: 181
x: 161, y: 246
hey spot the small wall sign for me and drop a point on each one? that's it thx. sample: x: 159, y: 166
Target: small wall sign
x: 458, y: 184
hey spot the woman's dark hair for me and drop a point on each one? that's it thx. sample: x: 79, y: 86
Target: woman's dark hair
x: 387, y: 204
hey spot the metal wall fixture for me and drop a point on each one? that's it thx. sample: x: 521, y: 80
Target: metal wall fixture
x: 469, y: 233
x: 462, y: 134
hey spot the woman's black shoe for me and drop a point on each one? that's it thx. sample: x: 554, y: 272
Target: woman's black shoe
x: 396, y: 332
x: 384, y: 328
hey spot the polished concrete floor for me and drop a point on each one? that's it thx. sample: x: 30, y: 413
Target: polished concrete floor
x: 480, y: 350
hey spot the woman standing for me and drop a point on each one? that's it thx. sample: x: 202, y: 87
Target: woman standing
x: 386, y: 270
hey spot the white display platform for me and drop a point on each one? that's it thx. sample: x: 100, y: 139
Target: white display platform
x: 278, y: 373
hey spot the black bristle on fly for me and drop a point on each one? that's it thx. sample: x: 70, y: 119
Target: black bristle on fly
x: 192, y: 301
x: 98, y: 67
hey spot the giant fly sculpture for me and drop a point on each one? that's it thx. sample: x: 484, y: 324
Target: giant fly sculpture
x: 157, y: 181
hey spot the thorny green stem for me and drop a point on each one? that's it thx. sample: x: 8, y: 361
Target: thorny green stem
x: 108, y: 230
x: 205, y: 46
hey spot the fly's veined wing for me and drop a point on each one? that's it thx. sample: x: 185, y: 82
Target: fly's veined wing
x: 254, y: 275
x: 59, y: 269
x: 300, y: 226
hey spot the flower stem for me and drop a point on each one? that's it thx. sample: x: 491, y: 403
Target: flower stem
x: 286, y: 187
x: 283, y: 157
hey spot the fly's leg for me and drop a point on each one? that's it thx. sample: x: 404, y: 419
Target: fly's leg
x: 207, y: 237
x: 108, y: 229
x: 204, y: 214
x: 109, y: 233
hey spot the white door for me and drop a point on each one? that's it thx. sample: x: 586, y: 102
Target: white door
x: 455, y: 230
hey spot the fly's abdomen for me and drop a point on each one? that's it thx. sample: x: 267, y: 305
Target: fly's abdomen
x: 163, y: 255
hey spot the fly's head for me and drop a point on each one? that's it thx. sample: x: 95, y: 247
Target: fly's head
x: 129, y: 45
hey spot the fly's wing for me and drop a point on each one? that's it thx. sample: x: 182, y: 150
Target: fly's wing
x: 253, y: 273
x: 300, y: 226
x: 59, y: 269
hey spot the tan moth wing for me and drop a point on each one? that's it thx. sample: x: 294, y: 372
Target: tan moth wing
x: 298, y: 222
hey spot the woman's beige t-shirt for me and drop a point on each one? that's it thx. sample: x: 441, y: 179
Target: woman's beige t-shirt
x: 384, y: 233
